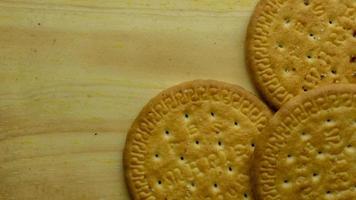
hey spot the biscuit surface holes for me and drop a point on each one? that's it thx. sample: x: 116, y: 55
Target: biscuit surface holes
x: 305, y: 89
x: 286, y: 22
x: 245, y: 195
x: 289, y: 161
x: 192, y: 186
x: 230, y: 169
x: 215, y: 187
x: 286, y: 184
x: 353, y: 59
x: 305, y: 136
x: 328, y: 121
x: 349, y: 150
x: 315, y: 177
x: 186, y: 115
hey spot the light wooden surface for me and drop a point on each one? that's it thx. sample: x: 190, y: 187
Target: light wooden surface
x: 74, y: 75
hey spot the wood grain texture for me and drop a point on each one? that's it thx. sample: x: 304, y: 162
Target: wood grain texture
x: 74, y: 75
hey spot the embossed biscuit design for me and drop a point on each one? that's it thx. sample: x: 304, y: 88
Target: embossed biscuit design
x: 194, y: 141
x: 308, y: 150
x: 293, y: 46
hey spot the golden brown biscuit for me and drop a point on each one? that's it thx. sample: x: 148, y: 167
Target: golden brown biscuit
x: 194, y: 141
x: 293, y: 46
x: 308, y: 150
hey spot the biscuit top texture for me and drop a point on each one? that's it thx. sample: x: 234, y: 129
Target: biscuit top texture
x: 194, y: 141
x: 308, y: 151
x: 294, y: 46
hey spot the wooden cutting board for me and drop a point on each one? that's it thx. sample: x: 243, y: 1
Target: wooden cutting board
x: 74, y: 75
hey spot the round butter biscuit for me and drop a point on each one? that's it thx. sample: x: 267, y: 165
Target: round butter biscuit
x: 308, y: 150
x: 293, y: 46
x: 194, y: 141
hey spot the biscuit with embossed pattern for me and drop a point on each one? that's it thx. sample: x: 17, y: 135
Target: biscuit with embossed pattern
x: 194, y: 141
x: 308, y: 150
x: 293, y: 46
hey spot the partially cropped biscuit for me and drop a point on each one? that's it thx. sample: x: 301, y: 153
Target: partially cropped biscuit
x: 308, y: 150
x: 194, y: 141
x: 293, y: 46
